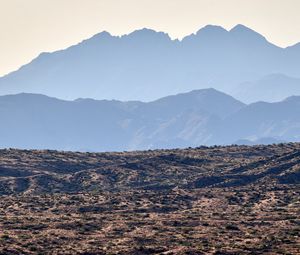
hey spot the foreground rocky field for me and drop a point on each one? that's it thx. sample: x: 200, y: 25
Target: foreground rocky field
x: 208, y: 200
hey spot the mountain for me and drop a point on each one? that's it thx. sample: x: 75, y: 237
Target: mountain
x: 200, y: 117
x: 147, y: 65
x: 36, y: 121
x: 271, y: 88
x: 280, y: 120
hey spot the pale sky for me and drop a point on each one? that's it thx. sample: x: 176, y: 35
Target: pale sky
x: 28, y: 27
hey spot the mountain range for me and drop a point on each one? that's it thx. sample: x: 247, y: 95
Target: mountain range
x: 199, y: 117
x: 271, y: 88
x: 146, y: 65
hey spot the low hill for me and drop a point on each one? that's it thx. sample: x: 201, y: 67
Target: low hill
x: 207, y: 200
x: 46, y: 171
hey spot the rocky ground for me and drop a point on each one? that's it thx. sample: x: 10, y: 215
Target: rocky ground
x: 207, y: 200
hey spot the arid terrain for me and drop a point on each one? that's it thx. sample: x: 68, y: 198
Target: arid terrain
x: 206, y: 200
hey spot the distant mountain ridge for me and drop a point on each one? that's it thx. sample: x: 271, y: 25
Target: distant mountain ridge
x: 271, y: 88
x: 146, y: 65
x: 200, y: 117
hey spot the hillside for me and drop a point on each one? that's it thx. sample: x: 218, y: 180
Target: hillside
x: 271, y: 88
x: 261, y: 119
x: 199, y: 117
x: 38, y: 122
x: 36, y: 172
x: 207, y: 200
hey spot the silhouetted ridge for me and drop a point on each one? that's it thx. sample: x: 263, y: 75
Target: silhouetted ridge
x: 146, y: 33
x: 200, y: 117
x: 146, y: 65
x: 211, y: 30
x: 293, y: 99
x: 243, y: 30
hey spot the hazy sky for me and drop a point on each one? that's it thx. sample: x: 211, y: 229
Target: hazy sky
x: 29, y: 27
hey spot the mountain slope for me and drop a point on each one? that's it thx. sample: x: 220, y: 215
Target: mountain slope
x: 279, y: 120
x: 271, y: 88
x: 146, y: 65
x: 35, y: 121
x: 203, y: 117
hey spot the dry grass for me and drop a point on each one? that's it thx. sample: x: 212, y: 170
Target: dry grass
x: 221, y: 200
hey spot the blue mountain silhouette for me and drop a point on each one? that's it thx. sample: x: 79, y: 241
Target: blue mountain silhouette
x: 147, y: 65
x: 200, y: 117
